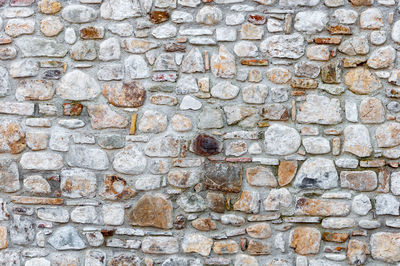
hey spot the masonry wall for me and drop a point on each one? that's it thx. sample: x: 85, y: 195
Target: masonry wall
x: 199, y: 132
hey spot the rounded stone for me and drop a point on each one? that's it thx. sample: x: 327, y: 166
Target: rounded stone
x: 130, y: 160
x: 206, y: 145
x: 51, y: 26
x: 281, y: 140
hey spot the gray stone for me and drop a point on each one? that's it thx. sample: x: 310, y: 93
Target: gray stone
x: 79, y: 14
x: 66, y: 238
x: 225, y: 90
x: 163, y: 146
x: 191, y: 202
x: 119, y: 9
x: 386, y: 204
x: 281, y: 140
x: 78, y: 183
x: 53, y: 214
x: 320, y: 110
x: 317, y: 173
x: 284, y: 46
x: 130, y: 160
x: 136, y: 67
x: 84, y: 215
x: 164, y: 31
x: 39, y: 47
x: 255, y: 94
x: 361, y: 204
x: 210, y: 118
x: 77, y: 85
x: 186, y: 84
x: 44, y: 161
x: 22, y: 230
x: 23, y: 68
x: 316, y: 145
x: 91, y: 158
x: 111, y: 141
x: 83, y: 50
x: 193, y: 62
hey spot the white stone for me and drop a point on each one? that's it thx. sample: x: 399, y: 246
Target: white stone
x: 190, y: 103
x: 357, y: 140
x: 109, y: 50
x: 113, y: 214
x: 317, y: 172
x: 310, y: 21
x: 70, y: 35
x: 345, y: 16
x: 281, y: 140
x: 164, y: 31
x: 371, y: 19
x: 209, y: 15
x: 136, y: 67
x: 395, y: 183
x: 130, y: 160
x: 351, y: 111
x: 225, y: 90
x: 316, y: 145
x: 234, y: 19
x: 284, y: 46
x: 226, y: 34
x: 119, y: 9
x: 361, y: 204
x: 386, y: 204
x: 245, y: 49
x: 320, y: 110
x: 337, y: 223
x: 77, y: 85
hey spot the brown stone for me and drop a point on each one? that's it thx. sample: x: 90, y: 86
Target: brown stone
x: 49, y: 6
x: 102, y: 116
x: 259, y: 230
x: 362, y: 2
x: 91, y: 32
x: 305, y: 240
x: 225, y: 247
x: 257, y: 19
x: 12, y: 137
x: 328, y: 40
x: 258, y: 247
x: 361, y: 81
x: 304, y: 83
x: 321, y: 207
x: 36, y: 200
x: 174, y: 47
x: 260, y: 176
x: 223, y: 176
x: 206, y: 145
x: 353, y: 61
x: 72, y: 109
x: 157, y: 17
x: 3, y: 237
x: 372, y: 111
x: 359, y: 180
x: 357, y: 252
x: 249, y: 202
x: 335, y: 237
x: 216, y: 202
x: 286, y: 172
x: 204, y: 224
x: 152, y: 210
x: 275, y: 112
x: 254, y: 62
x: 339, y: 29
x: 120, y: 94
x: 116, y: 188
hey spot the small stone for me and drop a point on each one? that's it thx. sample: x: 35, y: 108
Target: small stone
x: 245, y: 49
x: 49, y: 7
x: 286, y: 172
x: 157, y: 17
x: 276, y: 140
x: 320, y: 110
x: 34, y: 90
x: 277, y: 198
x: 83, y: 50
x: 153, y: 122
x: 225, y: 247
x: 102, y: 116
x: 152, y: 210
x: 109, y: 50
x: 386, y: 205
x: 66, y: 238
x: 250, y: 31
x: 204, y: 224
x: 124, y: 258
x: 22, y: 69
x: 130, y: 160
x: 387, y: 135
x: 164, y: 31
x: 18, y: 26
x: 361, y: 204
x: 361, y: 81
x: 36, y: 140
x: 259, y: 230
x: 318, y: 52
x: 317, y: 173
x: 181, y: 123
x: 357, y: 140
x: 136, y: 67
x: 77, y: 183
x: 84, y: 214
x: 120, y: 94
x: 225, y: 90
x: 209, y: 15
x: 44, y: 161
x: 357, y: 252
x: 110, y: 72
x: 371, y: 19
x: 226, y: 34
x: 193, y: 62
x: 137, y: 46
x: 190, y: 103
x: 206, y: 145
x: 197, y: 243
x: 186, y: 84
x: 34, y: 46
x: 91, y: 158
x: 113, y: 214
x: 245, y: 260
x: 36, y: 185
x: 372, y: 111
x: 284, y: 46
x: 79, y: 14
x: 305, y: 240
x: 310, y: 21
x: 163, y: 146
x: 223, y: 64
x: 331, y: 72
x: 120, y: 9
x: 255, y: 94
x: 261, y: 176
x: 316, y: 145
x: 51, y: 26
x: 378, y: 37
x: 249, y: 202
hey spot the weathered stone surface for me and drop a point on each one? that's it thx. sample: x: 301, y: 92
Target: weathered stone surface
x: 223, y: 177
x: 281, y: 140
x: 34, y: 90
x: 197, y: 243
x: 66, y: 238
x: 382, y: 58
x: 22, y: 230
x: 51, y: 26
x: 260, y: 176
x: 357, y: 251
x: 41, y: 161
x: 387, y: 135
x: 321, y: 207
x: 249, y: 202
x: 130, y: 160
x: 384, y: 246
x: 152, y: 210
x: 102, y: 116
x: 37, y: 47
x: 357, y: 140
x: 281, y: 46
x: 310, y: 21
x: 120, y: 94
x: 160, y: 245
x: 77, y: 85
x: 317, y: 173
x: 120, y: 9
x: 361, y: 81
x: 305, y: 240
x: 91, y: 158
x: 79, y: 14
x: 223, y: 64
x: 225, y: 90
x: 359, y: 180
x: 320, y: 110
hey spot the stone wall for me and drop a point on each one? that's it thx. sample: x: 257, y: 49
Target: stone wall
x: 199, y: 132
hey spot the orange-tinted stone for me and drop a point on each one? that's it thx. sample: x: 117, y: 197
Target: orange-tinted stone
x: 116, y: 188
x: 254, y: 62
x: 321, y: 207
x: 157, y: 17
x: 72, y: 109
x: 204, y: 224
x: 36, y: 200
x: 130, y: 94
x: 328, y: 40
x: 92, y: 32
x: 286, y: 172
x: 339, y: 29
x: 335, y: 237
x: 305, y: 240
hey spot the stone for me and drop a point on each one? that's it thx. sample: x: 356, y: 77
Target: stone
x: 152, y: 210
x: 250, y: 31
x: 204, y: 224
x: 395, y: 34
x: 110, y: 72
x: 164, y: 31
x: 160, y: 245
x: 223, y: 177
x: 216, y: 202
x: 37, y: 261
x: 317, y: 173
x: 163, y: 146
x: 281, y: 140
x: 78, y: 183
x: 193, y: 62
x: 197, y: 243
x: 245, y: 260
x: 95, y: 257
x: 255, y: 94
x: 49, y: 7
x: 21, y: 69
x: 109, y: 50
x: 361, y: 204
x: 225, y: 247
x: 286, y: 172
x: 249, y: 202
x: 382, y: 57
x: 44, y: 161
x: 165, y: 62
x: 387, y: 135
x: 209, y: 15
x: 206, y: 145
x: 51, y: 26
x: 38, y: 47
x: 277, y: 198
x: 224, y: 90
x: 121, y: 94
x: 181, y: 17
x: 191, y: 202
x: 223, y: 64
x: 355, y: 46
x: 316, y: 145
x: 361, y: 81
x: 116, y: 188
x: 372, y: 111
x: 305, y: 240
x: 186, y: 84
x: 284, y: 46
x: 130, y: 160
x: 320, y: 110
x: 331, y: 72
x: 153, y: 122
x: 12, y: 137
x: 91, y: 158
x: 137, y: 46
x: 384, y: 246
x: 34, y: 90
x: 260, y: 176
x: 236, y: 114
x: 36, y: 140
x: 18, y: 26
x: 307, y: 69
x: 321, y: 207
x: 77, y: 85
x: 22, y: 230
x: 66, y: 238
x: 386, y: 205
x: 79, y: 14
x: 278, y: 75
x: 124, y: 258
x: 120, y: 9
x: 318, y: 52
x: 259, y: 230
x: 122, y: 29
x: 371, y: 19
x: 36, y: 185
x: 157, y: 17
x: 113, y: 214
x: 357, y: 252
x: 226, y: 34
x: 190, y: 103
x: 245, y: 49
x: 181, y: 123
x: 310, y: 21
x: 136, y: 67
x: 357, y: 140
x: 84, y: 214
x: 83, y: 50
x: 378, y: 37
x: 102, y: 116
x: 210, y: 118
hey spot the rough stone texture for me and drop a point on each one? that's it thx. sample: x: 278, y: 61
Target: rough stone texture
x: 199, y: 132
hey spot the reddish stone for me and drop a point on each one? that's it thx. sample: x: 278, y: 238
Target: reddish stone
x: 204, y: 224
x: 328, y: 40
x: 157, y: 17
x: 305, y: 240
x: 257, y: 19
x: 92, y: 32
x: 286, y: 172
x: 206, y: 145
x: 130, y: 94
x: 254, y: 62
x: 72, y: 109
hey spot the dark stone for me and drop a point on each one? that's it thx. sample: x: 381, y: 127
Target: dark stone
x: 331, y: 72
x: 216, y: 202
x: 52, y: 74
x: 157, y: 17
x: 174, y: 47
x: 112, y: 141
x: 275, y: 111
x: 179, y: 222
x: 92, y: 32
x: 225, y: 177
x: 72, y: 109
x: 206, y: 145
